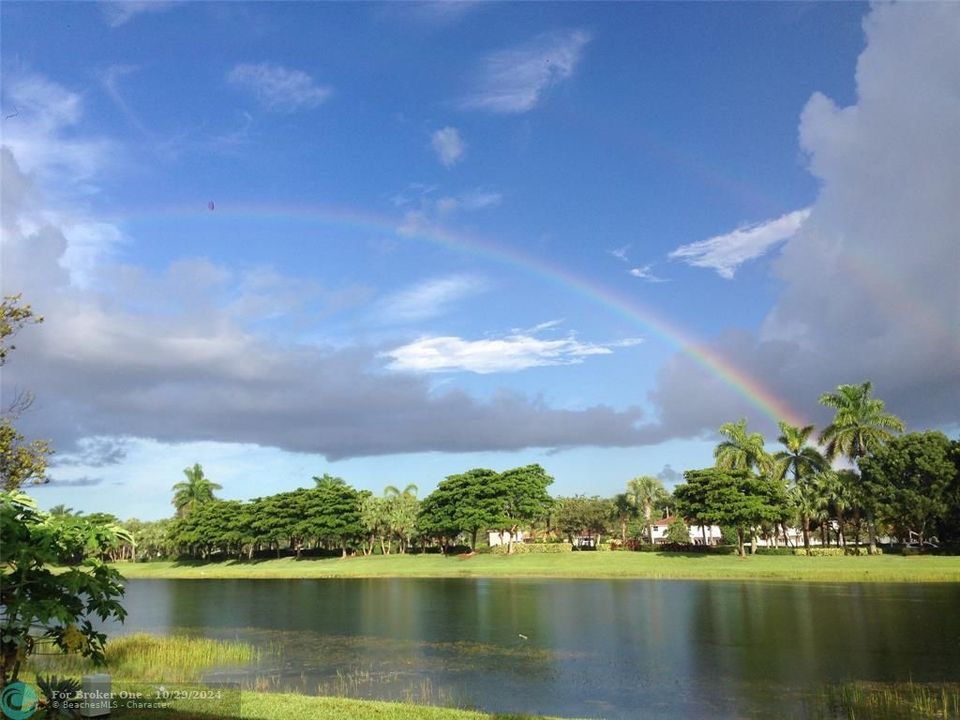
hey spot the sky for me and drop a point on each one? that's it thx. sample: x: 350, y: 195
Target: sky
x: 393, y: 242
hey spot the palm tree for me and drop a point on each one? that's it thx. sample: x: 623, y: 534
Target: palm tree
x: 644, y: 492
x: 741, y: 450
x: 624, y: 509
x: 402, y: 512
x: 860, y: 425
x: 798, y: 457
x: 328, y: 480
x: 804, y: 496
x: 197, y: 490
x: 837, y: 497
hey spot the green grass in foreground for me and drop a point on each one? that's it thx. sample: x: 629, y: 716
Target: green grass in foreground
x: 282, y: 706
x: 886, y: 568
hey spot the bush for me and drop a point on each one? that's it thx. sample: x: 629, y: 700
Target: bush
x: 777, y: 551
x: 533, y: 548
x: 835, y: 551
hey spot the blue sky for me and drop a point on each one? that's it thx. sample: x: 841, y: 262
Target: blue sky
x: 354, y: 303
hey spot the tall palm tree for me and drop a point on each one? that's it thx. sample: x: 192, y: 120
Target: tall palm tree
x: 393, y: 491
x: 741, y: 450
x: 837, y: 497
x: 860, y: 425
x: 797, y: 457
x: 804, y: 496
x: 624, y: 509
x: 197, y: 490
x: 644, y: 492
x: 328, y: 480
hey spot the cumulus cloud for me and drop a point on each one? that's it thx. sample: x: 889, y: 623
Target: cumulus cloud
x: 277, y: 88
x: 429, y: 299
x: 725, y: 253
x: 870, y: 286
x: 514, y: 80
x: 448, y: 145
x: 493, y: 355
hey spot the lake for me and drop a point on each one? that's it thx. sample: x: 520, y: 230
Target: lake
x: 583, y: 648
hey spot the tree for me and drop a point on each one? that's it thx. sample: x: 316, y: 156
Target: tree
x: 21, y: 461
x: 645, y: 492
x: 401, y: 513
x: 583, y: 515
x: 625, y: 510
x: 332, y: 514
x: 468, y: 502
x: 860, y: 426
x: 797, y: 458
x: 804, y: 498
x: 38, y: 605
x: 912, y: 477
x: 741, y: 450
x: 197, y: 489
x: 678, y: 533
x: 737, y: 498
x: 521, y: 498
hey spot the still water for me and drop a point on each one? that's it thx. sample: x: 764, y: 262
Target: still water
x: 578, y: 648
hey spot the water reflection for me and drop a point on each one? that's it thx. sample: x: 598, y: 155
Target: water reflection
x: 610, y: 648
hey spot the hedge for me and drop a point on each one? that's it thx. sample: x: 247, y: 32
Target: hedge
x: 835, y: 551
x: 531, y: 548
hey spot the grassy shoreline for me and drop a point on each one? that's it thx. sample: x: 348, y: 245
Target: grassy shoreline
x: 627, y: 565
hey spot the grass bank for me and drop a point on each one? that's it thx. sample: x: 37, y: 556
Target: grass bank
x: 141, y: 664
x: 886, y: 568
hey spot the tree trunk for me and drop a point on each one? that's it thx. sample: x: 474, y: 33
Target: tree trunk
x: 473, y: 539
x: 647, y: 513
x: 623, y: 531
x: 740, y: 549
x: 511, y: 537
x: 856, y: 526
x: 872, y: 532
x: 841, y: 540
x: 806, y: 532
x: 753, y: 541
x: 703, y: 531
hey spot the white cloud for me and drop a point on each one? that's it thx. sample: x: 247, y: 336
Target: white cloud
x: 423, y: 209
x: 869, y: 282
x: 620, y: 253
x: 514, y: 80
x: 429, y: 299
x: 646, y: 273
x: 725, y: 253
x: 448, y: 145
x: 278, y: 88
x: 506, y: 354
x: 40, y: 134
x: 120, y: 13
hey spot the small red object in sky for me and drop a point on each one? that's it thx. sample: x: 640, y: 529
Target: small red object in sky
x: 210, y: 205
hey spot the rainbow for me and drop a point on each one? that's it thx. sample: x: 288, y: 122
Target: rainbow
x: 750, y: 388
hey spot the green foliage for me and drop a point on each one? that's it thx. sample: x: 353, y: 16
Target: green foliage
x: 797, y: 458
x: 533, y: 548
x: 646, y: 493
x: 678, y: 533
x: 197, y: 490
x: 21, y: 461
x: 39, y: 605
x: 56, y: 690
x: 913, y: 478
x: 581, y: 515
x: 861, y: 423
x: 14, y: 315
x: 729, y: 497
x: 835, y: 551
x: 741, y: 450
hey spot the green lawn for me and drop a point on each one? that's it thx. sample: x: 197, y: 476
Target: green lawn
x: 886, y: 568
x: 281, y: 706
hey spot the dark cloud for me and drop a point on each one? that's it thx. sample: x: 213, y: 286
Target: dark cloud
x: 669, y: 476
x: 163, y: 357
x: 76, y: 482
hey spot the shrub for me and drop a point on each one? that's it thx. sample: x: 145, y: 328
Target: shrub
x: 533, y: 548
x: 834, y: 551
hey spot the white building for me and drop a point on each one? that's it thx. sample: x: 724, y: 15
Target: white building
x: 495, y: 538
x: 696, y: 532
